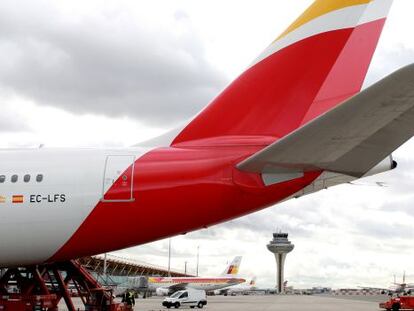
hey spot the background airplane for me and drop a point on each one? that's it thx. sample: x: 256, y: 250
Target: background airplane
x: 241, y: 289
x: 396, y: 288
x: 167, y: 285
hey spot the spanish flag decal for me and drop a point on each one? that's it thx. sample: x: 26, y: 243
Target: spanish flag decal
x: 17, y: 199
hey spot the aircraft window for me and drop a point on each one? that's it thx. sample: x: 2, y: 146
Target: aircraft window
x: 2, y: 178
x: 14, y: 178
x: 39, y: 177
x: 26, y: 178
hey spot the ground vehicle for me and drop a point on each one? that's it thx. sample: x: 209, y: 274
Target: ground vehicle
x: 399, y: 303
x: 189, y: 297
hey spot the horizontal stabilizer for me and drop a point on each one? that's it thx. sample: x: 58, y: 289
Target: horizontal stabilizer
x: 350, y: 139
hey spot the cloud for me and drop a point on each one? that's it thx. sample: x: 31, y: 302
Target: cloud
x: 104, y: 62
x: 9, y: 125
x: 387, y: 60
x: 11, y: 120
x: 25, y: 124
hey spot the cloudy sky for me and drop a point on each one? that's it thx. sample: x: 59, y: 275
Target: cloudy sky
x: 113, y: 73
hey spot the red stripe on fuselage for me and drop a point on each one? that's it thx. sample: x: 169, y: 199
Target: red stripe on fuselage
x: 198, y: 280
x: 176, y: 191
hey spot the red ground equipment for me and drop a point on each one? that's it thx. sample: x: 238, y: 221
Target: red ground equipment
x: 398, y: 303
x: 40, y: 288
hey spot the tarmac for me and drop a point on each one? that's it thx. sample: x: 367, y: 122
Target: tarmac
x: 274, y: 303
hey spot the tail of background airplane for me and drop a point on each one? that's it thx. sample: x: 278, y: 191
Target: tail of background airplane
x: 318, y: 62
x: 233, y: 268
x: 252, y: 282
x: 403, y: 279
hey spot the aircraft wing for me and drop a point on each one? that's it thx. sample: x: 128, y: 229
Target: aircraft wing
x: 349, y: 139
x: 376, y: 288
x: 409, y: 287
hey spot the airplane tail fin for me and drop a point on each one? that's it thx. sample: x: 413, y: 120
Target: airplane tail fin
x: 233, y: 268
x: 318, y: 62
x: 252, y: 282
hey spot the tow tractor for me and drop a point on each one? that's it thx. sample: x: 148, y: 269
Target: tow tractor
x: 398, y: 303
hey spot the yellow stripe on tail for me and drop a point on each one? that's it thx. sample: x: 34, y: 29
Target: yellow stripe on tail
x: 319, y: 8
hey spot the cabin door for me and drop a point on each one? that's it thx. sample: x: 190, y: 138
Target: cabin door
x: 118, y: 178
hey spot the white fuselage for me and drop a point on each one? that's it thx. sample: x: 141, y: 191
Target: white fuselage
x: 52, y: 209
x: 207, y: 284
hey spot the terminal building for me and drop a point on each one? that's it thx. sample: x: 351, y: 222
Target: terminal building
x: 119, y: 266
x: 115, y: 271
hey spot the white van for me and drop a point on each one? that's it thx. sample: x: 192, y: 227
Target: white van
x: 189, y: 297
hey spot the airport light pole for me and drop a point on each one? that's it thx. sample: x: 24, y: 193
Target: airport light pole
x: 169, y: 257
x: 198, y: 258
x: 104, y: 270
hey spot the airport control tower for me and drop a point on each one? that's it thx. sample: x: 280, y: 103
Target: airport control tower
x: 280, y: 246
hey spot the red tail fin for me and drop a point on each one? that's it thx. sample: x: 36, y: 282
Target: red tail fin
x: 318, y: 62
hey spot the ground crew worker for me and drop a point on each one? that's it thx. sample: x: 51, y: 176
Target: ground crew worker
x: 129, y: 298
